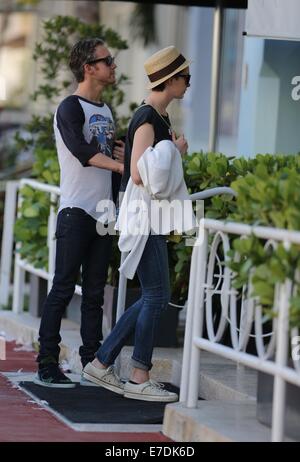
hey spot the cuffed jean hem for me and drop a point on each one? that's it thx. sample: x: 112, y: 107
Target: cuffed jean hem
x: 102, y: 361
x: 139, y: 365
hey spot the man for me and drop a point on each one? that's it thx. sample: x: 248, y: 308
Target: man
x: 88, y: 158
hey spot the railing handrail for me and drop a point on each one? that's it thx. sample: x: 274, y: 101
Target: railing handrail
x: 200, y: 312
x: 207, y: 193
x: 196, y: 295
x: 263, y: 232
x: 46, y: 187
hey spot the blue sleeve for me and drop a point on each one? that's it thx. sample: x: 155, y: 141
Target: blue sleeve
x: 70, y: 120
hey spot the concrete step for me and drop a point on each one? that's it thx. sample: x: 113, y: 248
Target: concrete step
x: 23, y: 328
x: 215, y: 421
x: 219, y: 378
x: 229, y: 390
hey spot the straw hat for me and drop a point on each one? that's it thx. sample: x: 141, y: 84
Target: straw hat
x: 163, y: 65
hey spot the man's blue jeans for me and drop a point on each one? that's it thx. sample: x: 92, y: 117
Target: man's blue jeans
x: 78, y: 244
x: 143, y: 316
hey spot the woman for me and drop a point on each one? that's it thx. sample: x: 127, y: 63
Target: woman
x: 168, y: 72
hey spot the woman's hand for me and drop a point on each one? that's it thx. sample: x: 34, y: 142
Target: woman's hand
x: 181, y: 143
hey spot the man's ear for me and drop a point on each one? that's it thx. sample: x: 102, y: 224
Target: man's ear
x: 88, y: 69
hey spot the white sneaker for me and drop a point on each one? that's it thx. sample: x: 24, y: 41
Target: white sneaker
x: 149, y: 391
x: 87, y: 383
x: 106, y: 378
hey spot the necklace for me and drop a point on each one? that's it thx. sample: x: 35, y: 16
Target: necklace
x: 162, y: 118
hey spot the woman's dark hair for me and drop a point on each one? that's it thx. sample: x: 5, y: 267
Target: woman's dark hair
x: 159, y: 87
x: 82, y: 52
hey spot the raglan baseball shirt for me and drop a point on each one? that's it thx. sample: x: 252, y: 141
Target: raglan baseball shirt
x: 82, y: 129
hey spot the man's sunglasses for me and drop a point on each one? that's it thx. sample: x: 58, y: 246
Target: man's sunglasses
x: 108, y: 60
x: 187, y: 78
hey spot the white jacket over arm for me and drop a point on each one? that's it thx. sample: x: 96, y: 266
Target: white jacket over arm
x: 160, y: 205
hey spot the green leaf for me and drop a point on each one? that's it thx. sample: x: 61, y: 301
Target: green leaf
x: 31, y: 212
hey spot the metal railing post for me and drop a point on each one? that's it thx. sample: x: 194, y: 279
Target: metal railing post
x: 19, y: 273
x: 51, y: 241
x: 7, y: 240
x: 185, y: 370
x: 194, y: 371
x: 278, y: 408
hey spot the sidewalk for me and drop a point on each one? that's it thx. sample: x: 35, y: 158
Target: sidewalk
x: 23, y: 420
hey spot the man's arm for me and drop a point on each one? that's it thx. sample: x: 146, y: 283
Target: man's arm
x: 102, y: 161
x: 70, y: 120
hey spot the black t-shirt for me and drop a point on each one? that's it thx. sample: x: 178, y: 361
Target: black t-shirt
x: 144, y: 114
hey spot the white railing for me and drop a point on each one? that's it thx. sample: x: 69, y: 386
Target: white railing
x: 204, y: 283
x: 13, y: 200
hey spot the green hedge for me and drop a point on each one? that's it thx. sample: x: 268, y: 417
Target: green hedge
x: 268, y: 194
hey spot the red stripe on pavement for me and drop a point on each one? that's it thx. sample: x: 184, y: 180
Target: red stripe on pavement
x: 22, y: 420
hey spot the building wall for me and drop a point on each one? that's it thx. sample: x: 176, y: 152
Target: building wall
x: 269, y: 117
x: 252, y: 64
x: 29, y: 25
x: 171, y: 24
x: 284, y: 58
x: 256, y: 112
x: 197, y: 100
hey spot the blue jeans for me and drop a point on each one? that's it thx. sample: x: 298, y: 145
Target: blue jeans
x: 77, y: 245
x: 143, y: 316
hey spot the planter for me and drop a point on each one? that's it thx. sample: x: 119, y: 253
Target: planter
x: 167, y: 334
x: 38, y: 294
x: 292, y: 405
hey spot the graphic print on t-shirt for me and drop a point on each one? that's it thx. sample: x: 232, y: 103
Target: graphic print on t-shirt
x: 102, y: 131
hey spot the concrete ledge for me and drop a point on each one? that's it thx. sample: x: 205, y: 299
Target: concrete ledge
x: 229, y: 414
x: 24, y: 329
x: 220, y: 379
x: 214, y: 421
x: 166, y: 364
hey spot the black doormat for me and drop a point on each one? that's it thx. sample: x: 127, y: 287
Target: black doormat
x: 96, y: 405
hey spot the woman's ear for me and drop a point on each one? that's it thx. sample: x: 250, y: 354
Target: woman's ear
x: 169, y: 81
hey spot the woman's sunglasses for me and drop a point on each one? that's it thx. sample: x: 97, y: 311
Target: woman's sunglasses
x: 187, y: 78
x: 108, y: 60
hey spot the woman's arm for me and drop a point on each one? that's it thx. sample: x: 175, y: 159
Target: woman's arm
x: 143, y: 138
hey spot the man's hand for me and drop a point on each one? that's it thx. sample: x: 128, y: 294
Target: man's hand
x: 119, y: 151
x: 120, y: 168
x: 181, y: 143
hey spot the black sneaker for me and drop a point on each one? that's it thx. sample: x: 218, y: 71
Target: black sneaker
x: 51, y: 376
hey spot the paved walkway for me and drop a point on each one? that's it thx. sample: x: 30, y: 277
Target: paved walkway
x: 22, y: 419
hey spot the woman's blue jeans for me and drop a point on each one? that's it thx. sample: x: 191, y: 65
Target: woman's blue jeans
x: 143, y: 316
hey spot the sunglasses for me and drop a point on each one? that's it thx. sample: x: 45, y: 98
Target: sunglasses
x: 108, y: 60
x: 187, y: 78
